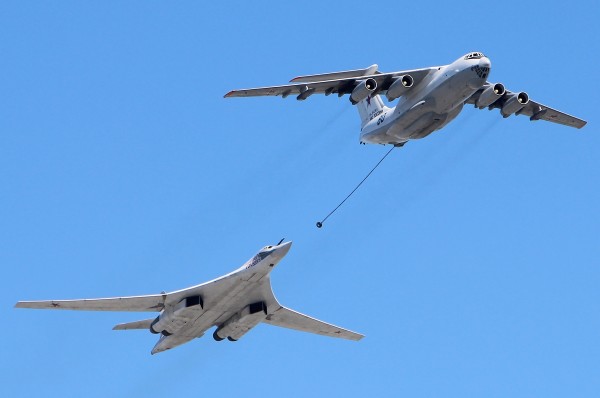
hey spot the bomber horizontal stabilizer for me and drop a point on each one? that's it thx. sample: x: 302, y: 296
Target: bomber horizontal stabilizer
x: 143, y: 324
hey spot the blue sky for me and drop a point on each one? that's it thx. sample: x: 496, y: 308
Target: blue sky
x: 469, y: 259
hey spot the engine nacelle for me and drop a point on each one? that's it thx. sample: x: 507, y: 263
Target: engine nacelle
x: 399, y: 87
x: 490, y: 95
x: 363, y: 90
x: 171, y: 320
x: 241, y: 322
x: 514, y: 104
x: 161, y: 323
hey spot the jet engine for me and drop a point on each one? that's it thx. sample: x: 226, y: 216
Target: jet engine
x: 161, y: 323
x: 171, y: 320
x: 363, y: 90
x: 241, y: 322
x: 490, y: 95
x: 399, y: 87
x: 514, y: 104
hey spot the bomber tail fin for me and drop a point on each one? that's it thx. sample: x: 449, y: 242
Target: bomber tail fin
x: 369, y: 108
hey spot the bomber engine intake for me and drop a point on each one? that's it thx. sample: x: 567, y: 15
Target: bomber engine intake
x: 399, y: 87
x: 514, y: 104
x: 363, y: 89
x: 241, y: 322
x: 171, y: 320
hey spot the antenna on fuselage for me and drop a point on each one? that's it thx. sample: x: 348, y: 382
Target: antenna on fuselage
x: 320, y: 223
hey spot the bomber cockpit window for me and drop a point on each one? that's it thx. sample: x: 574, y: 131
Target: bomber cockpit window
x: 474, y: 56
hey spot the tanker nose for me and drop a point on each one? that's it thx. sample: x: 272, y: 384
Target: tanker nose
x: 485, y: 62
x: 479, y: 72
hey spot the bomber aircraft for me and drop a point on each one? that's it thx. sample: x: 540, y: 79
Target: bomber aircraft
x: 429, y: 97
x: 234, y: 303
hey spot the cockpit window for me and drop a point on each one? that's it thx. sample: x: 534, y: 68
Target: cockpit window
x: 474, y: 56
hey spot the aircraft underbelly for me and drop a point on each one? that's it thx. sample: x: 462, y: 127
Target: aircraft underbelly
x: 425, y: 125
x: 418, y: 119
x: 416, y: 123
x: 218, y: 309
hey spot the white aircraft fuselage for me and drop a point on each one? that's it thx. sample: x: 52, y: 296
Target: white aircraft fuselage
x: 430, y: 105
x: 428, y: 98
x: 248, y: 286
x: 237, y: 307
x: 233, y: 304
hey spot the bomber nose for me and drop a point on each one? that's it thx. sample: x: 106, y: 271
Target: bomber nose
x: 283, y: 248
x: 279, y: 252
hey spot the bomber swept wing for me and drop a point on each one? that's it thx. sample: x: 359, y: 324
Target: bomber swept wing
x: 150, y: 303
x: 154, y: 302
x: 339, y: 83
x: 287, y: 318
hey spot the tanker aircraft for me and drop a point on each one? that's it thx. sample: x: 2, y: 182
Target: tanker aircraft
x: 429, y: 97
x: 234, y: 303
